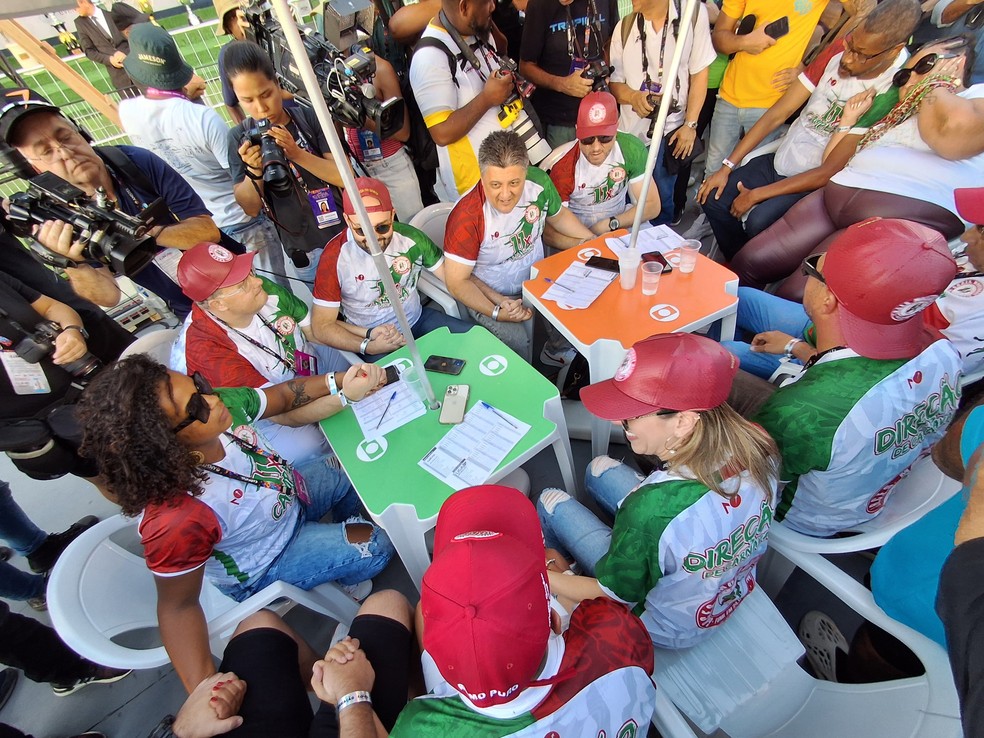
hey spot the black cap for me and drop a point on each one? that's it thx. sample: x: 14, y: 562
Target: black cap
x: 17, y: 104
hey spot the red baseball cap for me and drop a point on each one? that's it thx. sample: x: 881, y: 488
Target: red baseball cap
x: 597, y: 115
x: 673, y: 371
x: 485, y: 599
x: 208, y: 267
x: 884, y: 272
x: 970, y: 204
x: 369, y: 187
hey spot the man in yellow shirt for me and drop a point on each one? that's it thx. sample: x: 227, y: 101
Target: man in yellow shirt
x: 766, y: 59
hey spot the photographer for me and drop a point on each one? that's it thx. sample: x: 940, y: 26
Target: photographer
x: 560, y: 39
x: 307, y: 181
x: 131, y: 177
x: 460, y: 102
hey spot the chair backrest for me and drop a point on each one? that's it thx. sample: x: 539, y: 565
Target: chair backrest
x: 156, y: 344
x: 432, y: 221
x: 556, y: 155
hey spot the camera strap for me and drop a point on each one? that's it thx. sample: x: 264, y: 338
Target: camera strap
x: 467, y: 52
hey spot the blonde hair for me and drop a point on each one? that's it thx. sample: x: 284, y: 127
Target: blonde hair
x: 723, y: 437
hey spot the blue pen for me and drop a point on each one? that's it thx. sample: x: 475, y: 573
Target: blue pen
x: 386, y: 409
x: 563, y: 286
x: 487, y: 406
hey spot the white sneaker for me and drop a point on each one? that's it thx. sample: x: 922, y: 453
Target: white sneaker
x: 559, y: 359
x: 700, y: 228
x: 358, y: 592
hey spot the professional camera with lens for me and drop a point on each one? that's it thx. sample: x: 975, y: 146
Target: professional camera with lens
x: 33, y: 347
x: 345, y: 79
x: 108, y: 235
x: 514, y: 116
x: 598, y: 72
x: 654, y: 100
x: 276, y: 172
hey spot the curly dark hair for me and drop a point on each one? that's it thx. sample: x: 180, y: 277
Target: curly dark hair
x: 127, y: 433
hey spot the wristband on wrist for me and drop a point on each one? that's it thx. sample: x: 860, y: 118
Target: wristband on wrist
x: 352, y: 698
x: 495, y: 313
x: 364, y: 345
x: 729, y: 164
x: 788, y: 350
x: 844, y: 129
x: 334, y: 390
x: 369, y: 333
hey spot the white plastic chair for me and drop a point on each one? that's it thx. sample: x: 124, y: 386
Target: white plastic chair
x: 156, y: 344
x: 432, y: 220
x: 556, y: 155
x: 100, y: 591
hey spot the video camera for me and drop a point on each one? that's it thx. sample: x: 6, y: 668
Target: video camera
x: 346, y: 81
x: 109, y: 236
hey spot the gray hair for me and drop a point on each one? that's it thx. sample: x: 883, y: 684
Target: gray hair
x: 502, y: 149
x: 893, y: 20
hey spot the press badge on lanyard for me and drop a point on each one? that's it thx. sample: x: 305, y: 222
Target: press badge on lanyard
x: 26, y: 378
x: 323, y: 207
x: 372, y: 147
x: 305, y: 364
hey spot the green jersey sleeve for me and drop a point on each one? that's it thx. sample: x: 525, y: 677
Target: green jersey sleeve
x: 880, y: 107
x: 634, y: 154
x: 287, y: 302
x: 551, y: 198
x: 246, y: 405
x: 424, y: 251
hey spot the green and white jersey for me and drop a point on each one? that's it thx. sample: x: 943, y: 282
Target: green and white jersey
x: 685, y: 556
x: 849, y: 428
x: 602, y: 662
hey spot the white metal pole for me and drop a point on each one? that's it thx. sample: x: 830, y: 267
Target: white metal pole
x: 282, y: 10
x: 669, y: 88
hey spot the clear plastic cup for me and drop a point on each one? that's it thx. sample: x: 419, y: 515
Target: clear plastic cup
x: 628, y: 267
x: 651, y: 272
x: 688, y: 255
x: 416, y: 383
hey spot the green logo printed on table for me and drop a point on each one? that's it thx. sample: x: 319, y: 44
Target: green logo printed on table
x: 371, y: 449
x: 402, y: 364
x: 493, y: 366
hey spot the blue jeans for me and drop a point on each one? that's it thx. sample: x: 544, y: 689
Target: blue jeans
x: 727, y: 126
x: 431, y: 320
x: 574, y: 530
x: 24, y: 537
x: 757, y: 312
x: 307, y: 274
x: 321, y: 552
x: 665, y: 184
x: 730, y: 232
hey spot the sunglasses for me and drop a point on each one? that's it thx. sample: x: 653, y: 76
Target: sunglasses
x: 923, y: 66
x: 625, y: 423
x: 381, y: 229
x: 811, y: 268
x: 601, y: 139
x: 197, y: 408
x: 849, y: 49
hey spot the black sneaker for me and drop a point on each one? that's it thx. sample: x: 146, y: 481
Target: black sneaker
x: 8, y: 680
x: 100, y: 675
x: 44, y: 558
x: 6, y: 554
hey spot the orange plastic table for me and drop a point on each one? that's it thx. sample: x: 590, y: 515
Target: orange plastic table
x: 604, y: 332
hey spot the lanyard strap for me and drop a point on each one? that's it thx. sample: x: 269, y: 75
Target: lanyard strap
x: 662, y: 51
x: 246, y: 446
x: 288, y: 363
x: 574, y: 49
x: 816, y: 357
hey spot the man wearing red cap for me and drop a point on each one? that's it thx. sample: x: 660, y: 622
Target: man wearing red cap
x: 880, y: 388
x: 595, y: 176
x: 496, y: 662
x: 349, y: 282
x: 247, y: 331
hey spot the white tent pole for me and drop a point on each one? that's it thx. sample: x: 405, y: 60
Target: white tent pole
x: 296, y: 45
x: 669, y: 88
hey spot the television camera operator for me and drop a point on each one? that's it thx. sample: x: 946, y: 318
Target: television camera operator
x: 121, y: 179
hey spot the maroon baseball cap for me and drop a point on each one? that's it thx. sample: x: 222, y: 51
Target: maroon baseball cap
x: 597, y: 115
x: 485, y: 599
x: 970, y: 204
x: 208, y: 267
x: 884, y: 272
x: 673, y: 371
x: 369, y: 187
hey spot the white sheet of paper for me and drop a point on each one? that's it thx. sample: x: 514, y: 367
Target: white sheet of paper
x: 373, y: 409
x: 579, y: 286
x: 659, y: 238
x: 473, y: 449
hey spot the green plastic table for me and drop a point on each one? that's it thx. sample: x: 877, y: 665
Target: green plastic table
x: 400, y: 495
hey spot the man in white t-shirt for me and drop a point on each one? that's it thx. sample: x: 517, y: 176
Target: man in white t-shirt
x: 596, y: 176
x: 499, y: 658
x: 193, y: 139
x: 461, y: 98
x: 773, y: 183
x: 493, y: 237
x: 641, y: 51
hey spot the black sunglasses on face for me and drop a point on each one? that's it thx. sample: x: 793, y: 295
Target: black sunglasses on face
x: 591, y: 139
x: 197, y: 408
x: 625, y: 423
x: 381, y: 228
x: 923, y: 66
x: 811, y: 268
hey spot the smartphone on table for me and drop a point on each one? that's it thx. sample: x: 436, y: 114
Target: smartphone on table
x: 659, y: 259
x: 444, y: 365
x: 601, y: 262
x: 454, y: 405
